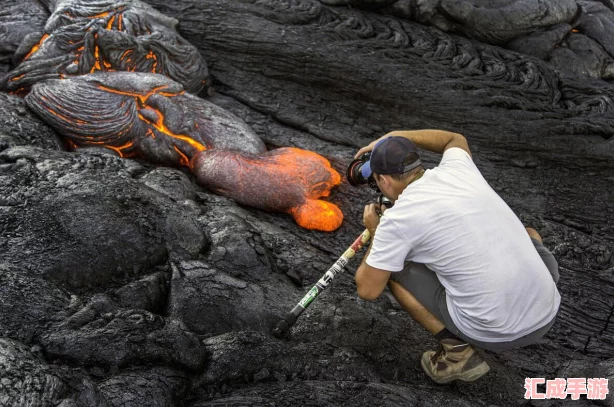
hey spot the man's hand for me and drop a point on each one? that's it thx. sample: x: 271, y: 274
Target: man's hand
x: 370, y: 146
x: 371, y: 216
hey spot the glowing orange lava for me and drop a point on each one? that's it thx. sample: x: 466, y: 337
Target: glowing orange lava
x: 292, y: 162
x: 101, y: 15
x: 184, y: 160
x: 318, y: 178
x: 151, y: 55
x: 120, y: 148
x: 158, y: 123
x: 112, y: 16
x: 36, y: 47
x: 53, y: 112
x: 287, y: 180
x: 316, y: 214
x: 96, y: 66
x: 161, y: 127
x: 142, y: 98
x: 110, y: 23
x: 72, y: 145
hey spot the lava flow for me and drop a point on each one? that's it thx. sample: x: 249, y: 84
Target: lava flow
x: 129, y: 113
x: 286, y: 180
x: 150, y: 116
x: 117, y: 77
x: 106, y: 36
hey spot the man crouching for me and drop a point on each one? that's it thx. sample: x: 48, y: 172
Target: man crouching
x: 454, y: 255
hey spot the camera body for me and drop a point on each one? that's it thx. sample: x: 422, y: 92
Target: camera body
x: 385, y: 201
x: 355, y: 176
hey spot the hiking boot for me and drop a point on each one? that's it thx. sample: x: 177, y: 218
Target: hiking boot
x: 453, y: 360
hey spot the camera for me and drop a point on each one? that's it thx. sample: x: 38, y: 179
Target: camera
x: 385, y: 201
x: 355, y: 176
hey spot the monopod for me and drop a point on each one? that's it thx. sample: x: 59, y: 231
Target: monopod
x: 290, y: 318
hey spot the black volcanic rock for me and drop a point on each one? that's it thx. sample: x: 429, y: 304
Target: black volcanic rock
x: 330, y: 393
x: 26, y: 379
x: 126, y: 284
x: 17, y: 20
x: 538, y: 28
x: 83, y: 37
x: 156, y: 387
x: 498, y: 21
x: 597, y: 22
x: 76, y: 230
x: 20, y: 127
x: 100, y: 334
x: 541, y: 43
x: 27, y: 303
x: 583, y: 55
x: 148, y: 293
x: 211, y: 302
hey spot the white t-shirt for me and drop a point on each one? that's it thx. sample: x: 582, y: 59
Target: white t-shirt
x: 497, y: 287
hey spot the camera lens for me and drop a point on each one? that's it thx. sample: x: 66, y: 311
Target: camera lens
x: 353, y: 174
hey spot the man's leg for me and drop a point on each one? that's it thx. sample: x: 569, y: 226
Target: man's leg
x: 415, y: 309
x: 421, y: 294
x: 545, y: 254
x: 536, y: 335
x: 534, y: 234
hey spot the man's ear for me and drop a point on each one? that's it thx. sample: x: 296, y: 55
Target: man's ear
x: 385, y: 180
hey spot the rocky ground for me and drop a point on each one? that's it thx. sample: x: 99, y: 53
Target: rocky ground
x: 127, y: 284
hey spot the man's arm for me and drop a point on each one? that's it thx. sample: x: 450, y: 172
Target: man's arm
x: 436, y: 141
x: 370, y: 281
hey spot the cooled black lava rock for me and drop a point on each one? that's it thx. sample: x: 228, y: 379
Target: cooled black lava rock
x: 27, y: 303
x: 100, y: 334
x: 17, y: 20
x: 82, y: 37
x: 102, y: 237
x: 26, y: 379
x: 539, y: 28
x: 137, y: 114
x: 83, y: 221
x: 21, y: 127
x: 155, y: 387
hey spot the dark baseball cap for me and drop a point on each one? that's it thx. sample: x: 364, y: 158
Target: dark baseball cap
x: 390, y: 156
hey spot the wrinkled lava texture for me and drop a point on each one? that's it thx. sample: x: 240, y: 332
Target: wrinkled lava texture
x: 125, y: 280
x: 84, y: 36
x: 138, y: 114
x: 113, y: 76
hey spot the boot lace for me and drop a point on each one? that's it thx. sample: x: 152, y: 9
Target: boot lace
x: 440, y: 351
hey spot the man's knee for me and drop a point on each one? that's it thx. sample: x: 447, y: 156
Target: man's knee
x: 551, y: 264
x: 545, y: 254
x: 534, y: 234
x: 549, y: 260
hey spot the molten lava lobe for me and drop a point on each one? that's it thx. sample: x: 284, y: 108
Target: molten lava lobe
x: 84, y: 37
x: 150, y: 116
x: 286, y: 180
x: 138, y: 115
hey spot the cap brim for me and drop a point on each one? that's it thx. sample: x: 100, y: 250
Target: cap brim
x: 365, y: 170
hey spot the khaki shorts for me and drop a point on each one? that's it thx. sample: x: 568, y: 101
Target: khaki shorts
x: 423, y: 284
